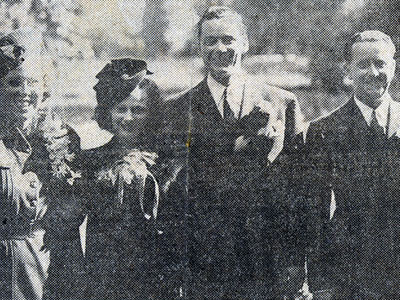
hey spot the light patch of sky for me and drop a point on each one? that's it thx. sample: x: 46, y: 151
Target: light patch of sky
x: 352, y: 5
x: 182, y: 18
x: 133, y: 12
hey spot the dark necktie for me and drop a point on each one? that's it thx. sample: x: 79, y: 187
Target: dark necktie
x: 376, y: 128
x: 227, y: 111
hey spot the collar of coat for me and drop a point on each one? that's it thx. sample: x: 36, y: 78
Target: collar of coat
x: 351, y: 109
x: 17, y: 144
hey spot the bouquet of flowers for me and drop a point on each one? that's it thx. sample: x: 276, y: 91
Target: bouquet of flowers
x: 57, y: 144
x: 250, y: 124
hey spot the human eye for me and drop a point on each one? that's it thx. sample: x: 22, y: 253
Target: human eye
x: 363, y: 64
x: 379, y: 64
x: 210, y: 40
x: 32, y: 81
x: 227, y: 40
x: 121, y: 109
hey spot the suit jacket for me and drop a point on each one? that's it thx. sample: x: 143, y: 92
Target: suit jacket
x: 228, y: 193
x: 354, y: 180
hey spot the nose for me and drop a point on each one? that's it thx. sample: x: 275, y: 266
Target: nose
x: 372, y: 70
x: 128, y: 115
x: 221, y: 46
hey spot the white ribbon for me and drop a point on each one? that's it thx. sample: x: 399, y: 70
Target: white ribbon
x: 134, y: 166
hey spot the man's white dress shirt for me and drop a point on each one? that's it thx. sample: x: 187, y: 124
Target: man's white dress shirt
x: 381, y: 112
x: 234, y: 94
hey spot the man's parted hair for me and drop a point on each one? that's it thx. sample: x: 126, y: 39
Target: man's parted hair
x: 219, y: 12
x: 368, y: 36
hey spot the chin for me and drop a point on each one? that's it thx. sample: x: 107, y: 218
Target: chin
x: 223, y: 74
x: 222, y: 70
x: 374, y: 94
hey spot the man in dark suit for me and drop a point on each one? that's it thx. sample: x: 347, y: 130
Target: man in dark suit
x: 354, y: 159
x: 228, y: 134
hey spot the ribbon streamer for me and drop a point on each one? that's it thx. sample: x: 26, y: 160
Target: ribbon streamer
x: 134, y: 166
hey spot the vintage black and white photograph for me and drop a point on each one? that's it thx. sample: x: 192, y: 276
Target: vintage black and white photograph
x: 199, y: 150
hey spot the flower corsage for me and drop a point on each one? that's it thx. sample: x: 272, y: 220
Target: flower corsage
x: 133, y: 167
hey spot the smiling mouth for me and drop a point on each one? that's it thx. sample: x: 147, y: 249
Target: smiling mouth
x: 222, y: 60
x: 130, y: 126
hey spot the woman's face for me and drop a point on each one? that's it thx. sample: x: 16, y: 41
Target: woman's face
x: 129, y: 116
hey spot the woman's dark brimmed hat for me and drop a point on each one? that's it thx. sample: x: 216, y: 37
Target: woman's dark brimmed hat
x: 118, y: 79
x: 124, y: 68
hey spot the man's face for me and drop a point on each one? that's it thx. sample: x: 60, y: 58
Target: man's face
x: 372, y: 69
x: 128, y: 117
x: 20, y: 94
x: 222, y: 44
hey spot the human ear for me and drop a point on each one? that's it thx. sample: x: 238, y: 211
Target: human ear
x: 347, y: 69
x: 392, y: 66
x: 245, y: 45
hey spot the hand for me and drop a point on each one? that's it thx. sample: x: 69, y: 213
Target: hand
x: 275, y: 131
x: 31, y: 186
x: 28, y: 187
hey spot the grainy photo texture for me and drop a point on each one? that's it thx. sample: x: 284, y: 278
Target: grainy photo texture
x: 199, y: 150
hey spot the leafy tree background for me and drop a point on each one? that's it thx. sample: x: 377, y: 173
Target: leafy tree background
x: 83, y: 35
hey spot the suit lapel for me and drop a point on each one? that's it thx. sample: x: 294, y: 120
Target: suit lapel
x: 203, y: 103
x: 19, y: 145
x: 250, y: 99
x: 358, y: 122
x: 353, y: 120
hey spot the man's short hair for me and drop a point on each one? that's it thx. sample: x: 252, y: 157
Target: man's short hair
x: 219, y: 12
x: 368, y: 36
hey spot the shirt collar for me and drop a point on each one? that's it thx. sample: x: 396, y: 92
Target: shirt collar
x: 381, y: 111
x: 216, y: 89
x: 234, y: 92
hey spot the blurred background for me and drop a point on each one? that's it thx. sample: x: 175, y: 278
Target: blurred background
x: 294, y: 44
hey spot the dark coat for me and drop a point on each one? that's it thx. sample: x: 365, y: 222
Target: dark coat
x: 127, y: 256
x: 230, y: 197
x: 356, y: 246
x: 65, y: 213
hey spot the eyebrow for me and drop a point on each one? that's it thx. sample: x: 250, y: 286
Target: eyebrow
x: 31, y: 80
x: 22, y: 77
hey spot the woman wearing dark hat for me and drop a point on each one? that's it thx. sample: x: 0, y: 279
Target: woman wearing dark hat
x: 128, y: 103
x: 127, y: 250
